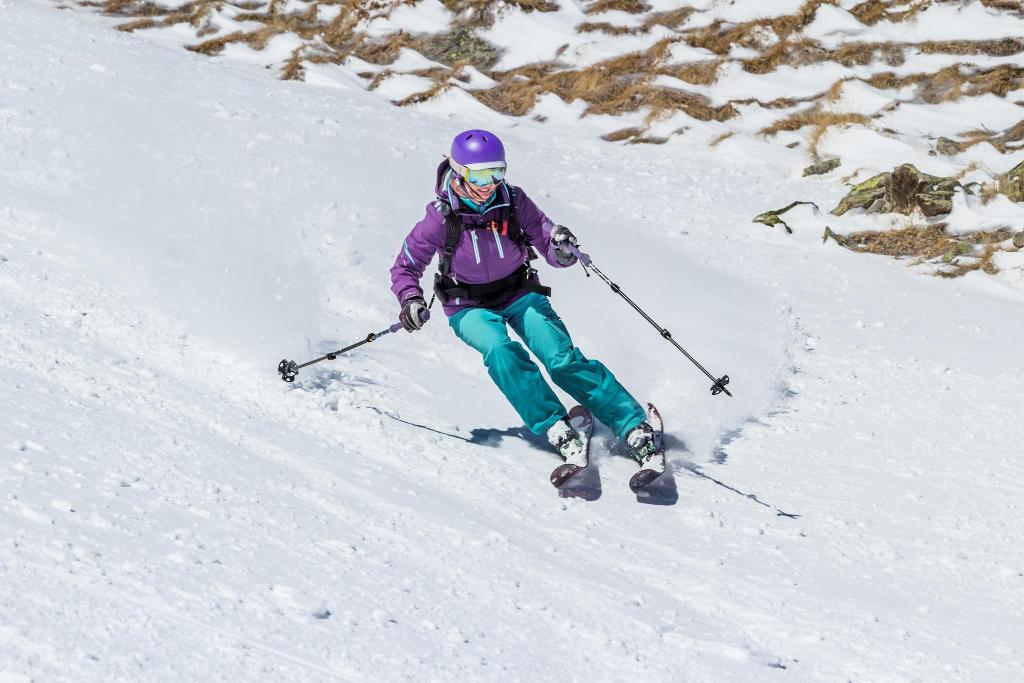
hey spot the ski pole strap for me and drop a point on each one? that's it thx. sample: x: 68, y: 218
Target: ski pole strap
x: 583, y: 258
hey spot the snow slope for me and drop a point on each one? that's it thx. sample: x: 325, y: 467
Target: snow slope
x: 171, y: 226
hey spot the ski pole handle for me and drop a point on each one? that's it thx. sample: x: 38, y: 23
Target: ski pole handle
x: 424, y: 316
x: 574, y: 250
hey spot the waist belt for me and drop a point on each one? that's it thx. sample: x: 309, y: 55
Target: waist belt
x: 488, y: 293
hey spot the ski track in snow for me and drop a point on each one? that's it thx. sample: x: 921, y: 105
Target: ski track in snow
x: 172, y: 511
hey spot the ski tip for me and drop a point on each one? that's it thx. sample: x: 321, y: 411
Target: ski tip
x: 563, y: 473
x: 642, y: 479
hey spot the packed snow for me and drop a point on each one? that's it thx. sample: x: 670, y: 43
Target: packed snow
x: 172, y: 225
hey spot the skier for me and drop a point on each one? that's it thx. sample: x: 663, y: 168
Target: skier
x: 484, y: 231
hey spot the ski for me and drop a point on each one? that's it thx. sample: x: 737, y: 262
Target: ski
x: 653, y: 466
x: 583, y: 422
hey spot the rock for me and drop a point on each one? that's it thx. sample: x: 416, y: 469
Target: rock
x: 957, y: 249
x: 771, y: 218
x: 902, y: 191
x: 461, y: 46
x: 1018, y: 240
x: 948, y: 147
x: 822, y: 167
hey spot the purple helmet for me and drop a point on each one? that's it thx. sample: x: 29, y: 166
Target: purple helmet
x: 477, y: 149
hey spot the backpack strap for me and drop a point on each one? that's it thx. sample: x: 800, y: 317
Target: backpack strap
x: 509, y: 221
x: 446, y: 289
x: 455, y: 228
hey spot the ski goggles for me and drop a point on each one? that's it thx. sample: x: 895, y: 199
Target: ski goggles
x: 486, y: 173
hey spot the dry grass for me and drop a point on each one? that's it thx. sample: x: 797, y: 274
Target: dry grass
x: 988, y: 192
x: 384, y: 51
x: 771, y: 35
x: 377, y: 78
x: 630, y: 6
x: 926, y: 242
x: 669, y: 19
x: 786, y: 53
x: 293, y: 69
x: 845, y: 180
x: 956, y: 81
x: 137, y: 24
x: 870, y: 12
x: 1003, y: 47
x: 623, y: 134
x: 718, y: 37
x: 862, y: 54
x: 873, y: 11
x: 814, y: 117
x: 957, y: 255
x: 616, y: 86
x: 648, y: 140
x: 835, y: 91
x: 442, y: 80
x: 719, y: 139
x: 430, y: 93
x: 1008, y: 5
x: 471, y: 13
x: 969, y: 168
x: 534, y: 5
x: 695, y: 73
x: 605, y: 27
x: 985, y: 263
x: 820, y: 121
x: 1010, y: 188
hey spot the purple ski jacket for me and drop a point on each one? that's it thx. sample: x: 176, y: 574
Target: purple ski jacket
x: 483, y: 253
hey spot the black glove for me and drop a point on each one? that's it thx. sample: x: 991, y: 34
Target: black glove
x: 562, y: 236
x: 412, y: 311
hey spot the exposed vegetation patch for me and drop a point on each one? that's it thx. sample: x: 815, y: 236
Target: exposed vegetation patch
x: 614, y: 86
x: 619, y: 85
x: 657, y: 85
x: 631, y: 6
x: 820, y: 122
x: 722, y: 137
x: 670, y: 19
x: 1009, y: 184
x: 954, y: 256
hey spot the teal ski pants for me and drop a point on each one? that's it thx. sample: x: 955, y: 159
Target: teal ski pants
x: 519, y: 378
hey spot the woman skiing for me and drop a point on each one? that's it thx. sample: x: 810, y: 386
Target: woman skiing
x: 484, y: 231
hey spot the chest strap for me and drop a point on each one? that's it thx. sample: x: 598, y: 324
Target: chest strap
x: 488, y: 293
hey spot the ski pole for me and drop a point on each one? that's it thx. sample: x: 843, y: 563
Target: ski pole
x: 719, y: 383
x: 289, y: 369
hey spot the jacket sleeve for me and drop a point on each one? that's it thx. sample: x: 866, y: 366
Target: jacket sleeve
x: 418, y: 249
x: 536, y: 226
